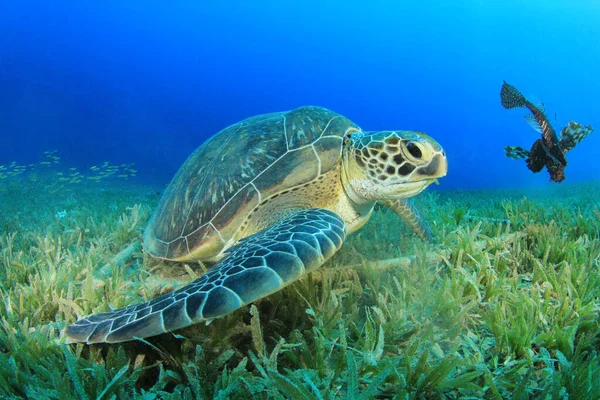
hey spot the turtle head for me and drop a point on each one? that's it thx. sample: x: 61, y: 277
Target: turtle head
x: 390, y: 164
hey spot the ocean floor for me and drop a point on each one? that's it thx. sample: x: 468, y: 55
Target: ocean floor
x: 504, y: 304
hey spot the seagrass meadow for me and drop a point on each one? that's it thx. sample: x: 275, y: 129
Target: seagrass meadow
x: 504, y: 304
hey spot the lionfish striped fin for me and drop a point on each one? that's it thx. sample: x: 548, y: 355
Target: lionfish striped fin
x: 572, y: 134
x: 533, y: 122
x: 516, y: 152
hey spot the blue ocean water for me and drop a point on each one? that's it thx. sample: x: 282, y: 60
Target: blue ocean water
x: 148, y: 82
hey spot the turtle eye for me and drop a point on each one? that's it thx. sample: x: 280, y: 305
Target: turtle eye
x: 413, y: 150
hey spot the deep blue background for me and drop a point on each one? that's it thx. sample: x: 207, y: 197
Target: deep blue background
x: 147, y: 83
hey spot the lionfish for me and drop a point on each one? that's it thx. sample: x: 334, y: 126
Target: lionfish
x: 550, y: 150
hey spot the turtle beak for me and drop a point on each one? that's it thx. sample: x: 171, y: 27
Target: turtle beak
x: 442, y: 165
x: 437, y: 167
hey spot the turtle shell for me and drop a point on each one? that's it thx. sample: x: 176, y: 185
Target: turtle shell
x: 235, y: 170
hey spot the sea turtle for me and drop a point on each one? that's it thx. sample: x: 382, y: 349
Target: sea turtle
x: 269, y: 199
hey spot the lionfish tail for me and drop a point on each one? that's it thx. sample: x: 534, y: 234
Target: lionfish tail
x: 511, y: 97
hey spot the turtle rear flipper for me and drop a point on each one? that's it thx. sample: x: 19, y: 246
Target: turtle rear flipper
x: 516, y: 152
x: 260, y: 265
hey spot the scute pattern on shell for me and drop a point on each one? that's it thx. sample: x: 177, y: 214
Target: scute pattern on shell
x: 216, y: 184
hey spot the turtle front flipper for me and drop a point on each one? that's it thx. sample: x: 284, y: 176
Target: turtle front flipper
x: 411, y: 216
x: 254, y: 268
